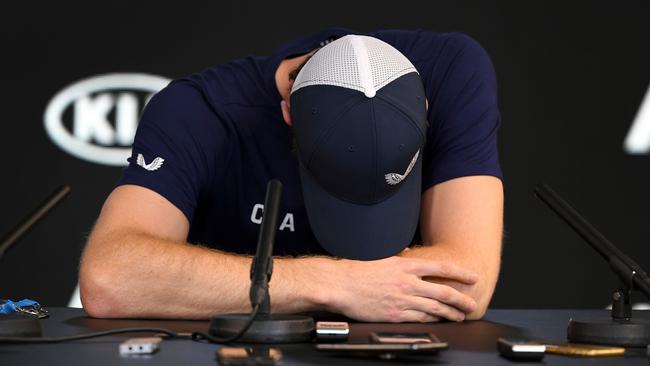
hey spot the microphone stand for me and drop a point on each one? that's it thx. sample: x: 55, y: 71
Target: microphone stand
x: 620, y: 329
x: 20, y: 325
x: 43, y: 209
x: 266, y: 327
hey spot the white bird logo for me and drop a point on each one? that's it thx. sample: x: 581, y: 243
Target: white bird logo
x: 395, y: 178
x: 154, y: 165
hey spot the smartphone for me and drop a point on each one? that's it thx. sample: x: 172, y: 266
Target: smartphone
x: 388, y: 345
x: 244, y: 356
x: 583, y: 350
x: 383, y: 350
x: 332, y: 331
x: 402, y: 338
x: 521, y: 349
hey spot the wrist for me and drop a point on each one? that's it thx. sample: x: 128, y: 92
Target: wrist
x: 331, y: 279
x: 324, y: 280
x: 318, y: 280
x: 301, y: 284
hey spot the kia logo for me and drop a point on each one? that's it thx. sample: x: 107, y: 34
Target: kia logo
x: 95, y: 119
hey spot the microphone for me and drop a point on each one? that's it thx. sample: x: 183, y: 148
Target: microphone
x: 261, y: 326
x: 262, y: 265
x: 20, y: 325
x: 620, y: 330
x: 39, y: 213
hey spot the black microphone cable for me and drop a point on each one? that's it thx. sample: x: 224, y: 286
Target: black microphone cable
x: 171, y: 334
x: 168, y: 332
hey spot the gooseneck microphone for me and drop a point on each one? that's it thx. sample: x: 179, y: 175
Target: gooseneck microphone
x: 261, y: 326
x: 26, y: 224
x: 262, y: 266
x: 627, y: 270
x: 620, y: 329
x: 20, y: 325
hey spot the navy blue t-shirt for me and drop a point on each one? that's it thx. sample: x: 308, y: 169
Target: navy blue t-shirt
x: 222, y: 137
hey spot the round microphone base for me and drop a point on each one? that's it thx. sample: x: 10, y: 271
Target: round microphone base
x: 274, y: 328
x: 625, y: 333
x: 15, y: 325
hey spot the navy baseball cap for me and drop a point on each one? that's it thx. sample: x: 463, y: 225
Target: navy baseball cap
x: 359, y: 121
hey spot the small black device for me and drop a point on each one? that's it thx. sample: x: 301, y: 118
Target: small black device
x: 246, y: 356
x: 140, y: 346
x: 520, y: 349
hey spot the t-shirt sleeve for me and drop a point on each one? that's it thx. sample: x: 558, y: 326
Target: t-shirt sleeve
x: 463, y: 112
x: 180, y: 147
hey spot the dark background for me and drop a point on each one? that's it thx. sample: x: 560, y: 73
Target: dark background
x: 571, y: 78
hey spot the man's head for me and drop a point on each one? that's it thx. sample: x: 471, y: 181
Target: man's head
x: 359, y: 120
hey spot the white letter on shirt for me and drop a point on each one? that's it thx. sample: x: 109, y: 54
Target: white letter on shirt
x: 288, y: 222
x: 254, y: 215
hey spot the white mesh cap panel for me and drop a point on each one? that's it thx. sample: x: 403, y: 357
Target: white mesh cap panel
x: 387, y: 63
x: 334, y: 64
x: 355, y: 62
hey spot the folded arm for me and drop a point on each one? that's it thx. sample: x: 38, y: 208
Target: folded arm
x: 462, y: 223
x: 137, y: 264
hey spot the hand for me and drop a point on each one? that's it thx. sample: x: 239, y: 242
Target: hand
x: 393, y: 290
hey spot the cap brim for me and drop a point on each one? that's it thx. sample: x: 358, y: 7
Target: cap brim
x: 364, y: 232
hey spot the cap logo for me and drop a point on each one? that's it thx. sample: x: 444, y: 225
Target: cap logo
x: 395, y: 178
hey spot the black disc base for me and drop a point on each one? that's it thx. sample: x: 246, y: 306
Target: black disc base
x: 275, y: 328
x: 626, y: 333
x: 15, y: 325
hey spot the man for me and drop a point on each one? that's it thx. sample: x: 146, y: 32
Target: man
x: 207, y: 145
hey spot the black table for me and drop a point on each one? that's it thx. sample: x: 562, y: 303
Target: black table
x: 470, y: 343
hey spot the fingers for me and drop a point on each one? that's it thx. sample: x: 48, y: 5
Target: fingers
x: 415, y: 316
x: 424, y: 268
x: 446, y: 295
x: 436, y: 308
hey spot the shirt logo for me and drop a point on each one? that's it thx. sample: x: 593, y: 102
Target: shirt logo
x: 154, y: 165
x: 396, y: 178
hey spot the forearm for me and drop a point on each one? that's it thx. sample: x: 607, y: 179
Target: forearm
x: 483, y: 262
x: 462, y: 223
x: 132, y: 274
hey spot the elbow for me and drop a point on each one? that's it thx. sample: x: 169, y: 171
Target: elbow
x: 99, y: 292
x: 480, y: 311
x: 483, y: 302
x: 482, y: 293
